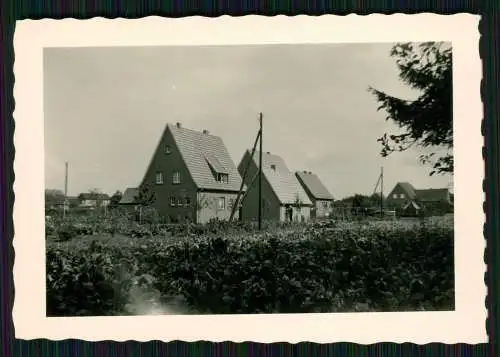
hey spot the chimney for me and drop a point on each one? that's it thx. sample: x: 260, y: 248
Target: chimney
x: 310, y: 173
x: 305, y: 171
x: 178, y: 124
x: 268, y: 153
x: 205, y: 132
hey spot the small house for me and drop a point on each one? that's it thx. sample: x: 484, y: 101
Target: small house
x: 93, y: 200
x: 434, y: 200
x: 319, y: 195
x: 192, y: 176
x: 283, y: 198
x: 411, y: 209
x: 128, y: 200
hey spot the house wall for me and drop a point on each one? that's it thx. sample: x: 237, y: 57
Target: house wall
x: 297, y: 215
x: 402, y: 197
x: 168, y: 164
x: 250, y: 205
x: 93, y: 203
x: 207, y: 206
x: 323, y: 208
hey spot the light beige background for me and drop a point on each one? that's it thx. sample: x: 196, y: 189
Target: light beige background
x: 466, y: 324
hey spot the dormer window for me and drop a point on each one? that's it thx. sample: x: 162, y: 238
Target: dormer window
x: 168, y: 150
x: 273, y: 167
x: 223, y: 178
x: 218, y: 170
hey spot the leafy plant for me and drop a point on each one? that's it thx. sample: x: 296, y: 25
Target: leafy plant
x: 226, y: 267
x: 144, y: 198
x: 428, y: 120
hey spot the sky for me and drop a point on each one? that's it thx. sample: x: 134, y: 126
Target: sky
x: 105, y: 110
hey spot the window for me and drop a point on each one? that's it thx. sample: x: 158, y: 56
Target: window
x: 402, y: 195
x: 224, y: 178
x: 176, y: 177
x: 325, y: 204
x: 395, y: 196
x: 172, y: 201
x: 221, y: 203
x: 231, y: 203
x: 168, y: 150
x: 179, y: 201
x: 273, y: 167
x: 188, y: 202
x: 159, y: 178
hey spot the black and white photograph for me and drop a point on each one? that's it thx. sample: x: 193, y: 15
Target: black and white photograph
x: 251, y: 179
x: 178, y: 200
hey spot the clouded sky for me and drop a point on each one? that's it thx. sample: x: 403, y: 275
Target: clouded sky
x: 105, y: 109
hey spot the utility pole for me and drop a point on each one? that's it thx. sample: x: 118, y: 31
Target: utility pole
x: 382, y: 191
x: 65, y: 203
x: 260, y: 173
x: 239, y: 197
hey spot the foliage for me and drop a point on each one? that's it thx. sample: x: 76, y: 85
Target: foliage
x: 115, y: 198
x: 145, y: 197
x: 226, y: 267
x: 427, y: 121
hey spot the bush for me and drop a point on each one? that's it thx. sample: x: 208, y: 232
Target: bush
x: 88, y: 283
x: 374, y: 266
x: 67, y: 232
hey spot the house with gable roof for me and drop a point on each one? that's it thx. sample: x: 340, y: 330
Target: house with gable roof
x: 319, y: 195
x: 283, y: 198
x: 192, y: 175
x: 407, y: 198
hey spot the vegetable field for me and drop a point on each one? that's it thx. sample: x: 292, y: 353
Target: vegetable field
x: 114, y: 266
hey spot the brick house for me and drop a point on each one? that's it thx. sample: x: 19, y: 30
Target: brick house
x: 283, y: 198
x: 319, y: 195
x: 192, y: 176
x: 438, y: 200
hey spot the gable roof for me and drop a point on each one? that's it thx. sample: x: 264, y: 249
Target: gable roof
x: 426, y: 195
x: 408, y: 188
x: 433, y: 195
x: 283, y: 182
x: 128, y: 196
x: 203, y: 152
x: 413, y: 204
x: 313, y: 184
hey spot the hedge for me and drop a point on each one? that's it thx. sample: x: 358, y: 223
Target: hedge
x: 324, y: 268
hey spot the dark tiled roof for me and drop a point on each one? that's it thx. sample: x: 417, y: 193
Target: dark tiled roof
x: 128, y: 196
x: 283, y: 182
x: 433, y: 195
x: 408, y: 188
x: 93, y: 196
x: 314, y: 185
x: 195, y: 147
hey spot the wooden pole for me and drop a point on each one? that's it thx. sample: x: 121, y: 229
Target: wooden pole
x: 251, y: 184
x: 65, y: 188
x: 382, y: 191
x: 260, y: 173
x: 237, y: 200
